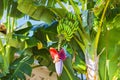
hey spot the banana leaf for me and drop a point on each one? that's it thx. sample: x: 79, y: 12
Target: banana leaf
x: 108, y: 64
x: 36, y: 12
x: 41, y: 10
x: 20, y: 66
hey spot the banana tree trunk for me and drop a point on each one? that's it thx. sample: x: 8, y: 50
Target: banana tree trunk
x: 92, y: 66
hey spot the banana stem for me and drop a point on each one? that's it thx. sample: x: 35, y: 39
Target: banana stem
x: 59, y: 44
x: 100, y: 25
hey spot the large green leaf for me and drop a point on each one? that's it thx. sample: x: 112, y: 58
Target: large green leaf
x: 108, y: 64
x: 41, y: 10
x: 36, y: 12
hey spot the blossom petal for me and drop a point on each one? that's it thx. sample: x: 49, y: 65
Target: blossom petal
x: 62, y: 54
x: 59, y: 67
x: 54, y: 53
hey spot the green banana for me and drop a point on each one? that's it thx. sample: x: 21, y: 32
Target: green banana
x: 67, y: 26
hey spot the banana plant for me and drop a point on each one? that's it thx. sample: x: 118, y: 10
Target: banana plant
x: 86, y: 29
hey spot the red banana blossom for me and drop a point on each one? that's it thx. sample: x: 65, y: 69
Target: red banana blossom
x: 58, y: 58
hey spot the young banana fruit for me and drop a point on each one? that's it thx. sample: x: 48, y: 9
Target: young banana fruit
x: 67, y: 26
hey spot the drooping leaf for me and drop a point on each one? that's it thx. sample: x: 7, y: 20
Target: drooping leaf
x: 36, y: 12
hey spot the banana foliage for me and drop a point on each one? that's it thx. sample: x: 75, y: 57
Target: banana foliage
x: 92, y: 29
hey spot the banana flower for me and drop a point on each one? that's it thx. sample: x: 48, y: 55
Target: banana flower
x: 58, y: 58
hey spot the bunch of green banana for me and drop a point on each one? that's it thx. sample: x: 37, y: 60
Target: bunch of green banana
x: 67, y: 26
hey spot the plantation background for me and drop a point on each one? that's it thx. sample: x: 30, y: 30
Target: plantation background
x: 83, y: 34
